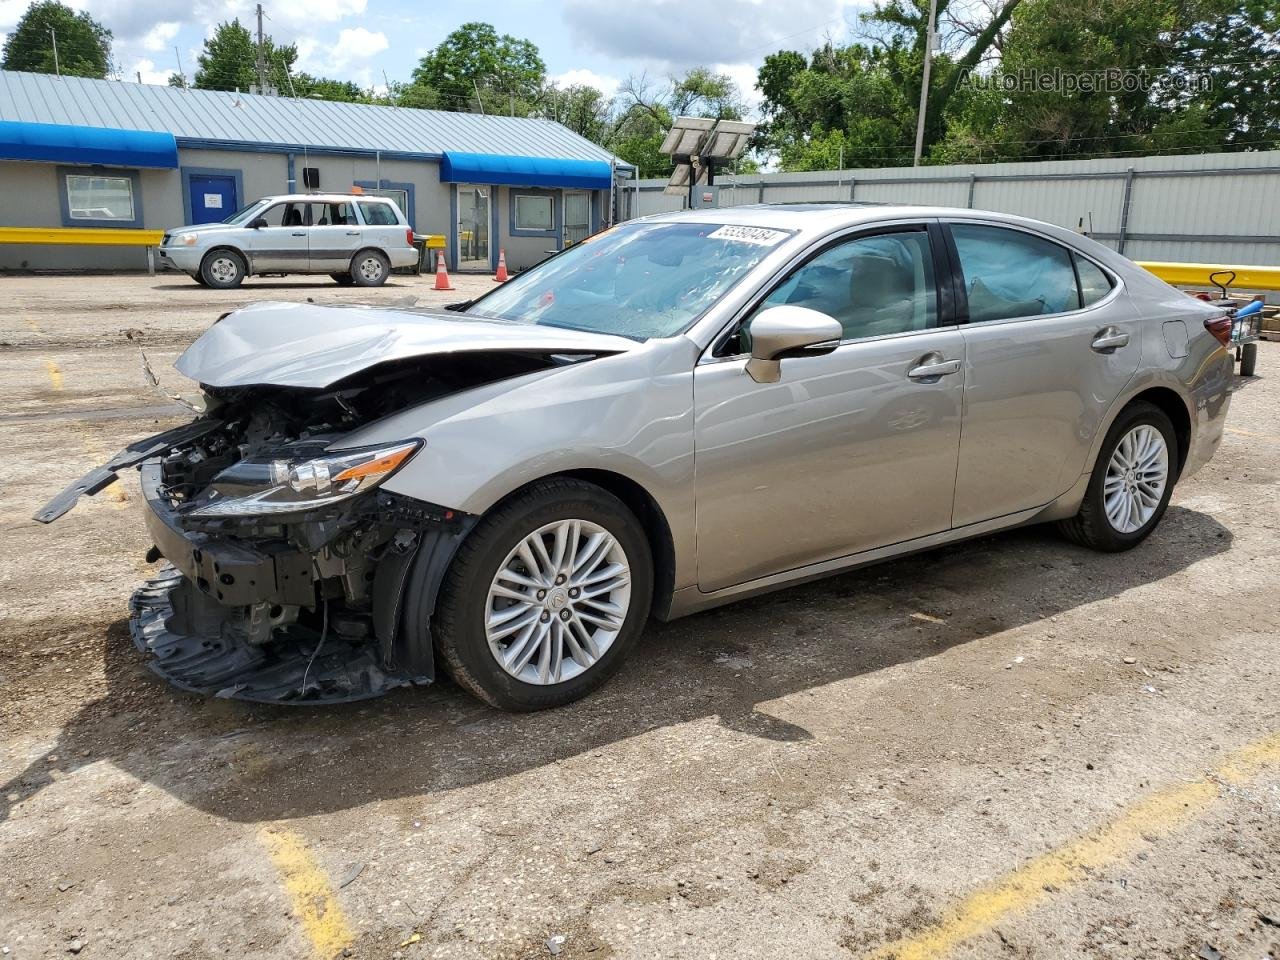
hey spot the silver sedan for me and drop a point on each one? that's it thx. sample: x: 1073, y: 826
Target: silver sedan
x: 681, y: 411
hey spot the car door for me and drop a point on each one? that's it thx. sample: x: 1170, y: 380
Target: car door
x: 281, y: 245
x: 1043, y: 366
x: 383, y: 228
x: 335, y: 235
x: 853, y: 448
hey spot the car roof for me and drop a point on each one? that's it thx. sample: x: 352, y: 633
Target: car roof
x: 325, y: 197
x: 833, y: 215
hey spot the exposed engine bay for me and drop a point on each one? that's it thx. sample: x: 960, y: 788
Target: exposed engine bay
x: 286, y: 569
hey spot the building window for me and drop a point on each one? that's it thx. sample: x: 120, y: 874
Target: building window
x: 533, y: 213
x: 94, y: 197
x: 100, y: 198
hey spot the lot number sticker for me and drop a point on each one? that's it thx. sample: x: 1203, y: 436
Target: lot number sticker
x: 757, y: 235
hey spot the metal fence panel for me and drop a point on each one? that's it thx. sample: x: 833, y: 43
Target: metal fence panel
x: 1219, y: 208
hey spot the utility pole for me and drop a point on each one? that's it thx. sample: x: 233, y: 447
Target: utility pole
x: 924, y: 80
x: 54, y: 35
x: 261, y: 60
x: 182, y: 73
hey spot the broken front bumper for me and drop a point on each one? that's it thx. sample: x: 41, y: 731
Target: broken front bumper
x: 222, y: 618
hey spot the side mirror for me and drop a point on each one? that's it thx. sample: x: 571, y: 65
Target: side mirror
x: 257, y: 223
x: 788, y: 331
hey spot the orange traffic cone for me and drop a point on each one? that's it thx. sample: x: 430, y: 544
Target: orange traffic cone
x: 442, y: 275
x: 501, y: 275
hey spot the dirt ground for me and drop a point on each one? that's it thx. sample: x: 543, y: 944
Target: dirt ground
x: 1012, y: 747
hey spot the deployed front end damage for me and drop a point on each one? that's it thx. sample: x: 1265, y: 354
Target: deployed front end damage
x: 287, y: 567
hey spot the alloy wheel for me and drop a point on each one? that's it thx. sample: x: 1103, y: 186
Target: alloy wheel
x: 558, y: 601
x: 1136, y: 478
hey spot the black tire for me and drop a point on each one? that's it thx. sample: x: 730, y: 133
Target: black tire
x: 1248, y: 359
x: 1090, y: 526
x: 343, y: 279
x: 370, y: 268
x: 458, y: 623
x: 223, y: 269
x: 198, y: 278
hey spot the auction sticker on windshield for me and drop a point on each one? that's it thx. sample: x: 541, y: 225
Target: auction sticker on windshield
x: 760, y: 236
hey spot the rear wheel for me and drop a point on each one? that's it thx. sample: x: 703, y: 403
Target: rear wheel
x: 343, y: 279
x: 1248, y: 359
x: 1131, y: 483
x: 545, y: 597
x: 370, y: 268
x: 223, y: 269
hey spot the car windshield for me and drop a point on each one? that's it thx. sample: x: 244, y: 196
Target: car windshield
x: 638, y: 280
x: 241, y: 215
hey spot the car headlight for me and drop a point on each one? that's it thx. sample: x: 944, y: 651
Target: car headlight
x: 264, y: 485
x: 189, y: 239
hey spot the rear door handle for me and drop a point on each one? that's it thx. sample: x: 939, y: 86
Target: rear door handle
x: 1109, y: 340
x: 933, y: 367
x: 353, y: 233
x: 300, y: 234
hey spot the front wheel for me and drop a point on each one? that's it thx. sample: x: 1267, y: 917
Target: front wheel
x: 545, y: 597
x: 223, y: 269
x: 1131, y: 483
x: 369, y: 268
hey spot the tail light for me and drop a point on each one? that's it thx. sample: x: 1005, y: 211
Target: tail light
x: 408, y: 236
x: 1220, y: 327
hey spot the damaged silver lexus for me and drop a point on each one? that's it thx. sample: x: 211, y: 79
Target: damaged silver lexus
x: 679, y: 412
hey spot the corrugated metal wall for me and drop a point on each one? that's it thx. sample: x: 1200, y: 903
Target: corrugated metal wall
x: 1220, y: 208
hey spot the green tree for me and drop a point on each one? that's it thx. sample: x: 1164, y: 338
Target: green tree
x: 475, y: 58
x: 580, y: 107
x: 645, y: 111
x: 84, y: 45
x: 229, y: 57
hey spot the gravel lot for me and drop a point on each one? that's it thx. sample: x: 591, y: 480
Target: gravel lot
x: 1007, y: 748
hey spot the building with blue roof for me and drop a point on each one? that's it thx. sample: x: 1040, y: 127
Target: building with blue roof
x: 82, y: 153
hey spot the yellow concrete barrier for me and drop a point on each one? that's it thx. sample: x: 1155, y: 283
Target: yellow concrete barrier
x: 1197, y: 274
x: 82, y: 236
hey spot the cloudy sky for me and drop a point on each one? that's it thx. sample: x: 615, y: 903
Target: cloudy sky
x: 580, y: 40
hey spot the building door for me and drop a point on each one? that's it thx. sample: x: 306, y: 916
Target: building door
x: 473, y: 227
x: 213, y: 197
x: 577, y: 217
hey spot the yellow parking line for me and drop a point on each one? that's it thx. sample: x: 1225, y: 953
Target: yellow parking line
x: 1250, y: 433
x: 1071, y: 864
x: 55, y: 374
x: 309, y: 889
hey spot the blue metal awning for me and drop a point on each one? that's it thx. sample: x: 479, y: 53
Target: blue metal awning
x: 56, y: 143
x: 525, y: 171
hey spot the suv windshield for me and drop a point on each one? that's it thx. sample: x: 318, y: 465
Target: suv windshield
x: 638, y: 280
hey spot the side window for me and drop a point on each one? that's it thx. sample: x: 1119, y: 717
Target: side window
x: 1094, y: 284
x: 1008, y: 273
x: 873, y: 285
x: 275, y: 215
x: 377, y: 214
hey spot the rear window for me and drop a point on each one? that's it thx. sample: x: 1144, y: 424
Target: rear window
x: 378, y: 214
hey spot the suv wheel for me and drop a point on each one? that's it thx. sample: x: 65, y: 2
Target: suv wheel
x: 369, y: 268
x: 222, y: 269
x: 1131, y: 483
x: 544, y: 597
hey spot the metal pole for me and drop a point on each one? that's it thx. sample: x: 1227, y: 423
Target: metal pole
x: 182, y: 73
x: 1124, y: 211
x: 924, y: 81
x: 261, y: 63
x: 56, y: 68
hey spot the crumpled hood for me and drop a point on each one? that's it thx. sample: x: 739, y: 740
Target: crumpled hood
x: 304, y: 345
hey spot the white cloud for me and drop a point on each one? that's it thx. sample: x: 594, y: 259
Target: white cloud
x: 744, y: 75
x: 607, y: 85
x: 359, y: 44
x: 160, y: 36
x: 150, y: 74
x: 10, y: 12
x: 299, y: 13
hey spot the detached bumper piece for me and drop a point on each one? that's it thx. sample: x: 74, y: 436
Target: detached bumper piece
x: 191, y: 647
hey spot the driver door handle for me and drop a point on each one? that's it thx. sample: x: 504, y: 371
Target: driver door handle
x: 1109, y: 339
x: 932, y: 367
x: 298, y: 234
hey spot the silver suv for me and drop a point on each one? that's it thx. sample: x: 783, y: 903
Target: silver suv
x: 355, y: 239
